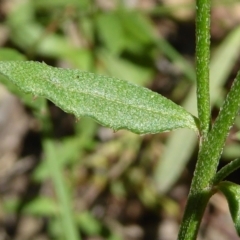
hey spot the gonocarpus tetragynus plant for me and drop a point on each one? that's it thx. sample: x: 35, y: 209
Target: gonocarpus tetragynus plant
x: 121, y: 105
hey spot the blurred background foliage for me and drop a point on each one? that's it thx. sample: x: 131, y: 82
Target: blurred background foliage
x: 66, y: 178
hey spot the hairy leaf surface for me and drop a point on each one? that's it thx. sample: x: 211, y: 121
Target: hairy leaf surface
x: 112, y: 102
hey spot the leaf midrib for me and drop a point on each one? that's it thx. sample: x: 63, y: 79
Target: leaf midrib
x: 58, y: 85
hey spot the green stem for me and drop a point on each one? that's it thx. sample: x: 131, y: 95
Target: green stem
x: 197, y: 202
x: 208, y: 158
x: 202, y: 63
x: 226, y: 170
x: 199, y: 192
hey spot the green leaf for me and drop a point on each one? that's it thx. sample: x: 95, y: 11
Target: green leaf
x: 124, y: 69
x: 112, y: 102
x: 232, y: 193
x: 88, y: 223
x: 41, y: 206
x: 7, y: 54
x: 110, y: 31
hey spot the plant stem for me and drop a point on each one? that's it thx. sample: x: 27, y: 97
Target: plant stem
x: 199, y: 194
x: 213, y: 140
x: 227, y: 170
x: 208, y: 158
x: 194, y: 210
x: 202, y: 63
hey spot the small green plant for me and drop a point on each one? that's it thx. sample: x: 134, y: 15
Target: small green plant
x: 121, y: 105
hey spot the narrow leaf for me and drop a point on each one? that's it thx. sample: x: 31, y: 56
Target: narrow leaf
x: 232, y: 193
x: 112, y: 102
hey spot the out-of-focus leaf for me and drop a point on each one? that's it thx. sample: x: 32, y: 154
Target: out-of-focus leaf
x: 112, y: 102
x: 111, y: 31
x: 231, y: 151
x: 124, y: 69
x: 125, y: 30
x: 232, y: 193
x: 7, y: 54
x: 69, y: 152
x: 238, y: 135
x: 137, y: 26
x: 88, y: 223
x: 59, y: 3
x: 41, y: 206
x: 64, y: 199
x: 10, y: 205
x: 33, y: 38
